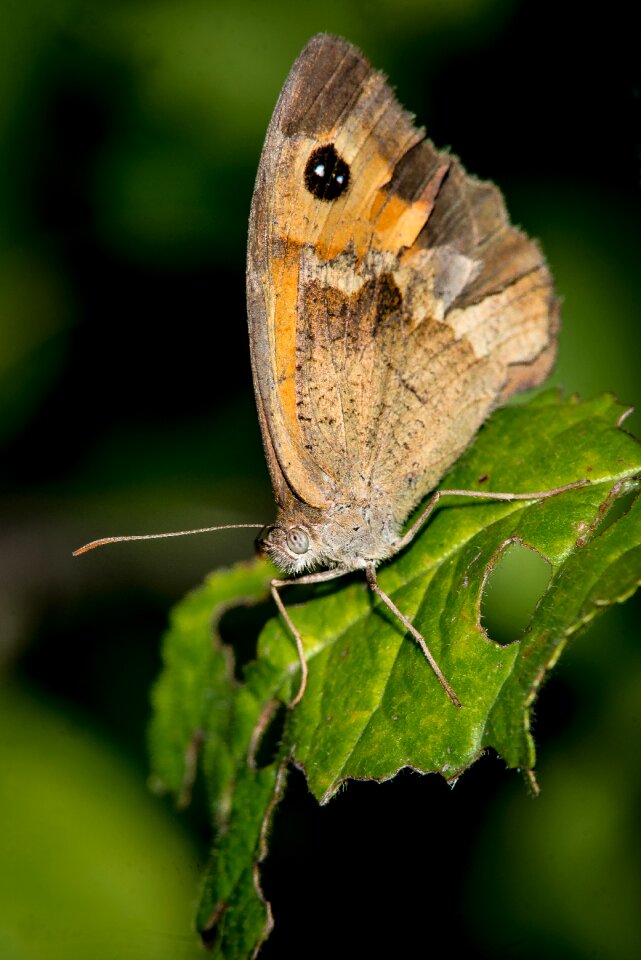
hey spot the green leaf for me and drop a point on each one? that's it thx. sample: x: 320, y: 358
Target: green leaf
x: 372, y: 704
x: 194, y: 701
x: 201, y: 713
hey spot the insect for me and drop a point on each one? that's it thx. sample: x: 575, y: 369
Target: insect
x: 392, y: 306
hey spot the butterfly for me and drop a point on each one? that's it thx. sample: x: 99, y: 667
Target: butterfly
x: 392, y: 306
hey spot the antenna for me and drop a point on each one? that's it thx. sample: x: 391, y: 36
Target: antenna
x: 158, y: 536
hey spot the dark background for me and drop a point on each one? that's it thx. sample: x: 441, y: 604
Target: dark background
x: 130, y: 136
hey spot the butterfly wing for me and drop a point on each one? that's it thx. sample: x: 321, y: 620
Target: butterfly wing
x: 391, y: 303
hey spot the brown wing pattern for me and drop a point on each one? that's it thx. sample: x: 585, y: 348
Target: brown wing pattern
x: 386, y: 323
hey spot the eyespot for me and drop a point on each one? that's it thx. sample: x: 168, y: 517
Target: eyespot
x: 298, y: 540
x: 326, y: 173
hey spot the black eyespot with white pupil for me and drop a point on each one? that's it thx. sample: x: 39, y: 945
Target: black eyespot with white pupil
x: 326, y: 174
x: 297, y: 540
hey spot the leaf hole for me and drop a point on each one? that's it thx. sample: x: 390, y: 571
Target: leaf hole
x: 209, y: 932
x: 239, y: 628
x: 267, y: 737
x: 514, y: 587
x: 616, y: 509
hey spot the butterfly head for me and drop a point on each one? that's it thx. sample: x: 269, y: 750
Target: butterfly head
x: 289, y: 546
x: 350, y: 536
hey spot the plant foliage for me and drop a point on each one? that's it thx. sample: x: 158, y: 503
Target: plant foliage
x: 372, y: 704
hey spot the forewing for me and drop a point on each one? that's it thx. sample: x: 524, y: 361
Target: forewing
x: 384, y: 323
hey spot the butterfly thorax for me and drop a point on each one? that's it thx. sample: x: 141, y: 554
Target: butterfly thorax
x: 349, y: 536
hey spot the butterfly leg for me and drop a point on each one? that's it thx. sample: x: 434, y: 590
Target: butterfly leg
x: 482, y: 495
x: 320, y: 577
x: 370, y: 573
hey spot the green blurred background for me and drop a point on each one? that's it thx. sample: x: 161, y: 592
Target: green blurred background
x: 129, y: 138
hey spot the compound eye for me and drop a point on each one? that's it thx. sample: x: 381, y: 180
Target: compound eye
x: 298, y: 540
